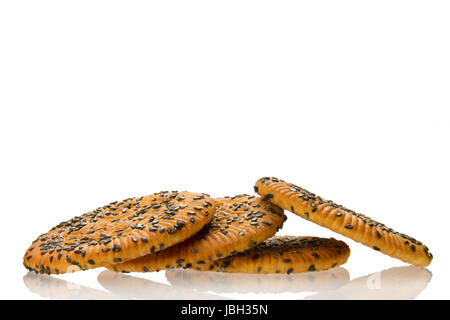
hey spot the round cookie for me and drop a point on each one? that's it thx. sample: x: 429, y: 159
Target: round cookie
x: 120, y: 231
x: 239, y: 223
x: 355, y: 226
x: 222, y: 282
x: 285, y: 254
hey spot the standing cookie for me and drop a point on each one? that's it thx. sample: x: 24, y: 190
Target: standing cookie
x: 239, y: 223
x: 120, y: 231
x: 285, y: 254
x: 344, y: 221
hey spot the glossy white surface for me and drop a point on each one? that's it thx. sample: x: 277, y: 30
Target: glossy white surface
x: 103, y: 100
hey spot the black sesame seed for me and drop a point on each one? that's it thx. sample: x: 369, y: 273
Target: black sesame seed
x: 268, y: 196
x: 207, y: 204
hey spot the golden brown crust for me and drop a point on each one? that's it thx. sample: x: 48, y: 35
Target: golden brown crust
x: 239, y: 223
x: 285, y: 254
x: 120, y: 231
x: 344, y: 221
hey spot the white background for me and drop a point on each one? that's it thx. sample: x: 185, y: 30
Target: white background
x: 103, y: 100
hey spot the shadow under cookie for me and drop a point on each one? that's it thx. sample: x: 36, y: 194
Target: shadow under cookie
x: 399, y: 283
x: 58, y: 289
x: 131, y: 287
x: 258, y: 283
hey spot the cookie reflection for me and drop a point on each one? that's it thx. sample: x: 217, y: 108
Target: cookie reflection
x: 140, y: 288
x: 221, y: 282
x: 58, y: 289
x: 400, y: 283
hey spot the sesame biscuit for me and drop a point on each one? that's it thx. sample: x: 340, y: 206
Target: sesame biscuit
x: 285, y: 254
x: 222, y: 282
x: 355, y: 226
x: 119, y: 231
x: 239, y: 223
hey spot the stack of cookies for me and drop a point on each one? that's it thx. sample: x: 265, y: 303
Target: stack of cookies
x: 173, y: 229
